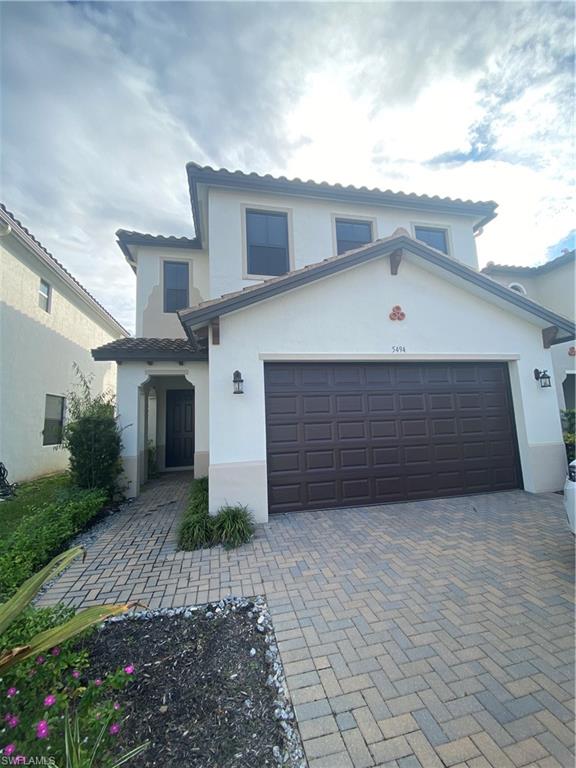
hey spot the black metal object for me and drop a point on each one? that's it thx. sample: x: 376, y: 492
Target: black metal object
x: 6, y: 488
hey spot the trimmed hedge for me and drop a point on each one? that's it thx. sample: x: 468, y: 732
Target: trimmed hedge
x: 232, y: 526
x: 43, y: 534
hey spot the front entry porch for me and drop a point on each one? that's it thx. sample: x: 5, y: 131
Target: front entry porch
x: 163, y: 412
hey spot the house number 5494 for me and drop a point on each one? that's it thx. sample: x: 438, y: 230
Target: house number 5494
x: 398, y: 348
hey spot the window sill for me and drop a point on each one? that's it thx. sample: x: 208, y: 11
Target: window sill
x: 264, y: 277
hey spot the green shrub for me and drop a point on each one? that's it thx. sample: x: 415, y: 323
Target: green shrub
x: 233, y: 525
x: 196, y: 528
x: 44, y: 692
x: 199, y: 495
x: 196, y: 531
x: 43, y: 534
x: 33, y: 621
x: 569, y: 427
x: 92, y: 436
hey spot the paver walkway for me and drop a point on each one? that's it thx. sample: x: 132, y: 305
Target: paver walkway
x: 437, y: 633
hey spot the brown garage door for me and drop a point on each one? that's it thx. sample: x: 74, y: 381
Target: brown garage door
x: 346, y: 434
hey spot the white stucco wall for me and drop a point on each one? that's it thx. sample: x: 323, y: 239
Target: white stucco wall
x: 134, y: 379
x: 151, y: 320
x: 312, y: 231
x: 37, y: 353
x: 346, y: 317
x: 555, y: 290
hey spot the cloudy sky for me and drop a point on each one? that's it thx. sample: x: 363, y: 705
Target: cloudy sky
x: 103, y: 104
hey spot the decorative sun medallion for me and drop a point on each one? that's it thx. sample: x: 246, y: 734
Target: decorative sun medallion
x: 397, y: 313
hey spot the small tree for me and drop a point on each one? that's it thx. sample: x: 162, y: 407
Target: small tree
x: 92, y: 436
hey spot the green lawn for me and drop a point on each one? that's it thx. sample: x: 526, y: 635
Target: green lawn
x: 30, y: 495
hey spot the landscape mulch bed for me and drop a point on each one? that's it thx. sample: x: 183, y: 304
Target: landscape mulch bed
x: 199, y: 693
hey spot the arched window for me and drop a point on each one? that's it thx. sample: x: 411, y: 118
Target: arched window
x: 518, y: 288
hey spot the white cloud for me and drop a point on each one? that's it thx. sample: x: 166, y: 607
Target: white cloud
x: 99, y: 121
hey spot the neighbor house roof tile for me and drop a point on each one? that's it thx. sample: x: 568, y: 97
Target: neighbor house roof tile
x: 36, y: 246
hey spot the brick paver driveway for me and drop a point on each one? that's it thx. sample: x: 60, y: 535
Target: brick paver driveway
x: 437, y: 633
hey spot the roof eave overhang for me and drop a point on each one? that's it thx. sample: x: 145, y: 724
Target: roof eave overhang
x: 128, y: 255
x: 197, y: 175
x: 192, y: 319
x: 128, y: 356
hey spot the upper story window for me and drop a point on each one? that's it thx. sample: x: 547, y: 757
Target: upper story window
x: 53, y: 420
x: 44, y: 295
x: 351, y: 234
x: 176, y: 283
x: 435, y: 237
x: 267, y: 252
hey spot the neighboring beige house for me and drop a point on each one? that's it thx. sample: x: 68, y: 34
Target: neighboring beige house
x: 48, y: 322
x: 551, y: 284
x: 318, y: 346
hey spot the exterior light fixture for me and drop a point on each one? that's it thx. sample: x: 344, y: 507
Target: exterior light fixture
x: 238, y: 382
x: 543, y: 377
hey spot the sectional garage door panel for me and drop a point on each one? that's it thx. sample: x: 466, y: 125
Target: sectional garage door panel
x: 351, y: 434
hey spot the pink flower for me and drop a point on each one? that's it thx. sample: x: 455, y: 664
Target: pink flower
x: 40, y: 659
x: 12, y: 720
x: 98, y: 682
x: 11, y: 692
x: 50, y: 700
x: 9, y: 749
x: 114, y: 729
x: 116, y: 706
x: 42, y: 730
x: 129, y: 669
x: 55, y: 651
x: 75, y: 674
x: 19, y: 760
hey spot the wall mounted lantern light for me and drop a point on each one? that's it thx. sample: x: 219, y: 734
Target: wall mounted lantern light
x: 238, y: 382
x: 543, y: 377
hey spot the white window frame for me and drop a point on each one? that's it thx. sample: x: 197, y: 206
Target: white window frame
x: 185, y: 260
x: 244, y: 208
x: 352, y: 217
x: 64, y: 413
x: 48, y: 296
x: 434, y: 225
x: 515, y: 286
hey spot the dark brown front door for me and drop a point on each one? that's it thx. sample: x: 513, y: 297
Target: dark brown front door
x: 344, y: 435
x: 179, y: 427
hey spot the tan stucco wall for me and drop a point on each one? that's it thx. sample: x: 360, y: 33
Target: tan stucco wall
x: 553, y: 289
x: 151, y: 320
x: 37, y: 353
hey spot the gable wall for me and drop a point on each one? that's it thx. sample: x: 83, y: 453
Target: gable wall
x: 346, y: 316
x: 151, y: 320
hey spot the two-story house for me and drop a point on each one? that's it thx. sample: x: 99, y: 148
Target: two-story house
x: 551, y: 284
x: 48, y: 323
x: 318, y: 346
